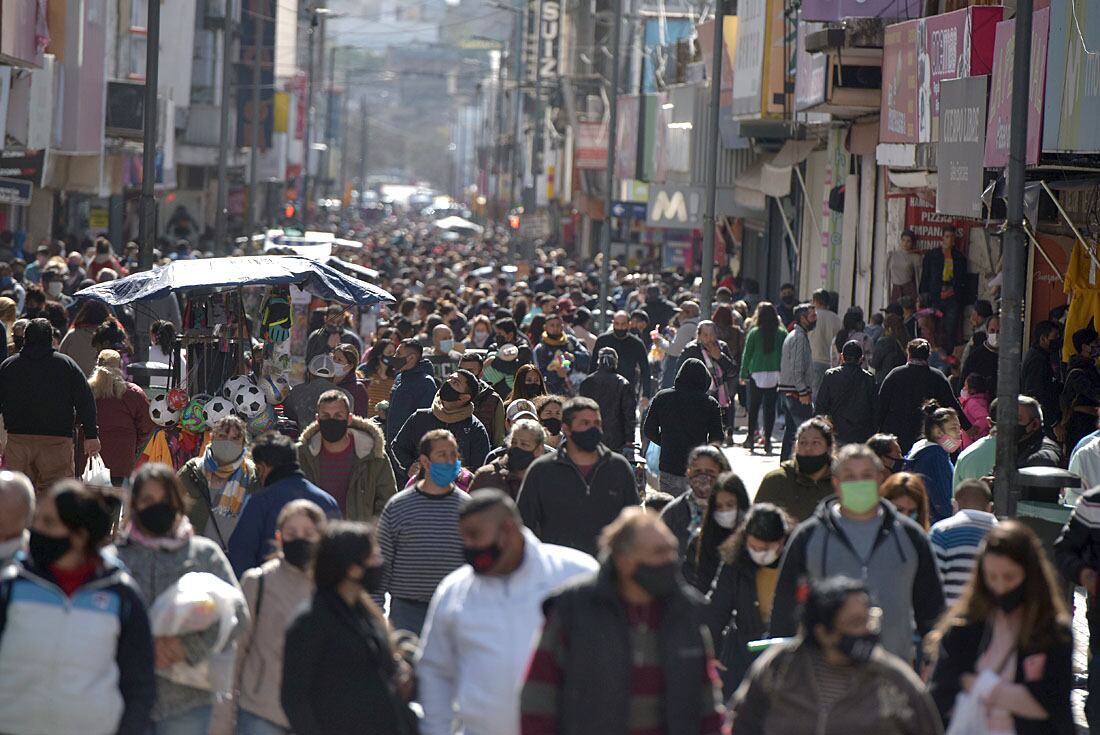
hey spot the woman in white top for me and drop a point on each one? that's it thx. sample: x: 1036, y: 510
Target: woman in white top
x: 162, y: 338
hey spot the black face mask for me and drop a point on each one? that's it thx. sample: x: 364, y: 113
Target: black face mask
x: 45, y: 550
x: 588, y: 440
x: 858, y: 648
x: 389, y: 360
x: 787, y: 299
x: 660, y: 580
x: 898, y: 465
x: 333, y: 430
x: 552, y: 425
x: 620, y: 333
x: 372, y: 578
x: 484, y: 558
x: 299, y: 552
x: 809, y: 464
x: 17, y: 342
x: 519, y: 459
x: 448, y: 393
x: 811, y: 326
x: 1008, y: 602
x: 158, y: 519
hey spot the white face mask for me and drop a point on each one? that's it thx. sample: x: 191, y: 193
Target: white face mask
x: 54, y: 288
x: 726, y: 518
x: 9, y: 548
x: 342, y: 370
x: 764, y: 558
x: 992, y: 338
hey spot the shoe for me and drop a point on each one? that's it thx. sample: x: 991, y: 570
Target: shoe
x: 749, y: 441
x: 768, y: 447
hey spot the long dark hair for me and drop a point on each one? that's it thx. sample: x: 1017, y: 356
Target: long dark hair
x: 711, y: 535
x: 83, y: 508
x: 764, y: 521
x: 934, y: 415
x: 164, y: 333
x: 343, y: 545
x: 766, y: 319
x: 520, y: 388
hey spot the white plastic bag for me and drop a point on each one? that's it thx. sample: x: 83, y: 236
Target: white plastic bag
x: 96, y: 473
x: 968, y: 717
x: 193, y: 604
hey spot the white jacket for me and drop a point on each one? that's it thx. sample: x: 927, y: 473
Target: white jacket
x: 479, y: 636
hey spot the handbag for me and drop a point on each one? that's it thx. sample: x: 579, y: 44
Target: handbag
x: 96, y: 473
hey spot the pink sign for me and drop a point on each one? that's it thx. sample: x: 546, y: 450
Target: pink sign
x: 998, y: 131
x: 901, y: 83
x: 958, y: 44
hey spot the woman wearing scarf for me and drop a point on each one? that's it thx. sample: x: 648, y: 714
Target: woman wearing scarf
x: 219, y: 480
x: 716, y: 355
x: 122, y: 412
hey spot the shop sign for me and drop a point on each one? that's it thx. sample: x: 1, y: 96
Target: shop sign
x: 15, y: 191
x: 779, y: 59
x: 673, y: 206
x: 962, y: 147
x: 1000, y: 93
x: 834, y: 10
x: 543, y: 47
x: 260, y: 12
x: 927, y: 224
x: 98, y: 218
x: 660, y: 32
x: 1073, y: 79
x: 811, y: 73
x: 626, y: 137
x: 748, y: 63
x: 25, y: 165
x: 590, y: 146
x: 630, y: 210
x: 958, y: 44
x: 633, y: 190
x: 675, y: 254
x: 904, y: 78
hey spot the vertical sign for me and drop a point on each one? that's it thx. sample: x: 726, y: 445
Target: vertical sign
x: 1073, y: 79
x: 811, y: 82
x: 961, y: 147
x: 832, y: 236
x: 543, y: 47
x: 748, y: 64
x: 1000, y: 94
x: 253, y: 12
x: 900, y: 74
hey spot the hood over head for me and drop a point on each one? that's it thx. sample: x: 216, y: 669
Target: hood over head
x: 693, y: 375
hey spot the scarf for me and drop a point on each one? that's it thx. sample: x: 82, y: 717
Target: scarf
x: 451, y: 416
x: 559, y: 341
x: 232, y: 496
x: 178, y: 538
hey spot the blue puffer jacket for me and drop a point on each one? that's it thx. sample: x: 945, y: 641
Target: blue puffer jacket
x: 413, y: 389
x: 933, y: 463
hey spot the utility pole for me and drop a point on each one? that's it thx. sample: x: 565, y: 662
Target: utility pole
x: 344, y: 148
x: 531, y: 195
x: 517, y: 171
x: 258, y: 51
x: 220, y: 224
x: 1006, y: 490
x: 148, y: 202
x: 330, y: 118
x: 709, y: 223
x: 494, y: 166
x: 303, y: 195
x: 612, y: 134
x: 364, y: 132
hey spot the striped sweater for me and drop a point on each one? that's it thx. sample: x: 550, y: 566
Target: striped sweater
x: 955, y: 541
x: 1078, y: 548
x: 418, y: 534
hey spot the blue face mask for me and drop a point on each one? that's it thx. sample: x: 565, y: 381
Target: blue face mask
x: 444, y: 473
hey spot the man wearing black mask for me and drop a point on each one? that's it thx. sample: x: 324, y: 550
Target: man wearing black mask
x: 568, y: 496
x: 1033, y: 448
x: 1039, y: 376
x: 332, y: 333
x: 633, y: 361
x: 413, y: 388
x: 787, y: 301
x: 453, y: 410
x: 345, y: 455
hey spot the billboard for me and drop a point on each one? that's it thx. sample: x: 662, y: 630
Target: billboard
x: 263, y: 13
x: 834, y: 10
x: 903, y: 80
x: 998, y: 131
x: 1072, y: 101
x: 961, y: 149
x: 748, y: 62
x: 958, y: 44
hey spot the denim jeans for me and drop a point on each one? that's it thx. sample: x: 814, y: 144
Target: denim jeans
x: 794, y: 412
x: 761, y: 397
x: 407, y: 614
x: 250, y: 724
x: 192, y: 722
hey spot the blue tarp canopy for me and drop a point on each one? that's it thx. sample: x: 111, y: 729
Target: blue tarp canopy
x: 317, y: 278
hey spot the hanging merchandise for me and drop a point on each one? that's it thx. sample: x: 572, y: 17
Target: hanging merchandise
x: 161, y: 412
x: 1083, y: 286
x: 265, y: 420
x: 249, y: 401
x: 177, y: 398
x: 277, y: 315
x: 217, y: 408
x: 193, y: 417
x: 234, y: 384
x: 275, y: 388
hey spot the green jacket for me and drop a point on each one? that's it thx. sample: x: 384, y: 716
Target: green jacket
x: 371, y: 483
x: 198, y: 489
x: 794, y: 492
x: 755, y: 360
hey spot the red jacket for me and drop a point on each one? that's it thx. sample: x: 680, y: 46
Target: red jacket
x: 124, y: 427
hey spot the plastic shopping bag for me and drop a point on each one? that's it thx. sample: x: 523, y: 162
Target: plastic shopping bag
x: 653, y: 458
x: 968, y: 717
x: 196, y: 602
x: 96, y: 473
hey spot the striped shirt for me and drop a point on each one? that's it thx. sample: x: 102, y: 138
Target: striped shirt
x: 418, y: 534
x: 956, y: 541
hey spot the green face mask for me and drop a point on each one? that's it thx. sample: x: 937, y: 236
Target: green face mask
x: 858, y: 496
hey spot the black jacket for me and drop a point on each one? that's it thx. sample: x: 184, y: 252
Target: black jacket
x: 734, y: 617
x: 633, y: 359
x: 618, y: 406
x: 660, y: 311
x: 596, y: 696
x: 677, y: 516
x: 41, y: 390
x: 683, y: 417
x: 562, y: 508
x: 900, y: 397
x: 888, y: 354
x: 1078, y: 547
x: 931, y: 275
x: 982, y: 361
x: 472, y: 438
x: 1082, y: 388
x: 338, y: 671
x: 847, y: 396
x: 726, y: 361
x: 1039, y: 380
x: 959, y: 652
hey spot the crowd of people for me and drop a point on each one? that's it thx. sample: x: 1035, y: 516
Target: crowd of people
x: 492, y: 517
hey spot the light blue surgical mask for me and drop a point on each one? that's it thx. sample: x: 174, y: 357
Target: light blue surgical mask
x: 444, y: 473
x: 446, y: 345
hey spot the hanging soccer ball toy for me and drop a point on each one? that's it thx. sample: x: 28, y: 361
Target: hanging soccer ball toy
x: 265, y: 420
x: 177, y: 399
x: 217, y: 408
x: 276, y: 388
x: 193, y: 417
x: 160, y: 411
x: 249, y: 401
x: 234, y: 384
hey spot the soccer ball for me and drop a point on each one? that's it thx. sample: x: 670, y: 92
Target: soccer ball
x: 217, y: 408
x: 193, y: 417
x: 249, y: 401
x: 160, y: 412
x: 275, y: 388
x: 234, y: 384
x: 177, y: 399
x: 265, y: 420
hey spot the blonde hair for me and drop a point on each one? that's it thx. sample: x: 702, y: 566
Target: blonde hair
x: 107, y: 380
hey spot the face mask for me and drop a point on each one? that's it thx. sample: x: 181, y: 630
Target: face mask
x: 45, y: 550
x: 298, y: 552
x: 333, y: 430
x: 992, y: 339
x: 481, y: 338
x: 659, y: 580
x: 551, y: 425
x: 858, y: 648
x: 808, y: 464
x: 11, y: 547
x: 701, y: 485
x: 158, y: 519
x: 764, y: 558
x: 811, y: 326
x: 859, y: 496
x: 483, y: 559
x: 446, y: 345
x: 444, y: 473
x: 949, y: 443
x: 1010, y: 600
x: 620, y: 333
x: 341, y: 370
x: 448, y: 393
x: 726, y: 518
x: 519, y: 459
x: 226, y: 450
x: 54, y: 289
x: 389, y: 360
x: 372, y: 578
x: 898, y: 465
x: 588, y: 440
x: 17, y: 342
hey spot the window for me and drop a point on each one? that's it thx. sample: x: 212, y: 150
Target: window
x: 138, y: 39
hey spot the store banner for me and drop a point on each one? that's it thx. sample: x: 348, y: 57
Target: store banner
x: 779, y: 59
x: 958, y: 44
x: 835, y: 10
x: 811, y: 71
x: 543, y: 46
x: 590, y: 146
x: 922, y: 219
x: 1072, y: 101
x: 903, y: 78
x: 748, y: 63
x: 961, y: 149
x: 24, y: 165
x: 1000, y: 94
x: 255, y: 12
x: 626, y: 137
x: 675, y: 206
